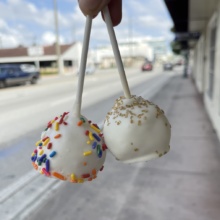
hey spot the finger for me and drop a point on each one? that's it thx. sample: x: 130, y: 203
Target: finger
x: 92, y: 7
x: 115, y: 10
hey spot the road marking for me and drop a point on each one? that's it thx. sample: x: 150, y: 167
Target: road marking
x: 61, y: 101
x: 19, y: 184
x: 156, y: 87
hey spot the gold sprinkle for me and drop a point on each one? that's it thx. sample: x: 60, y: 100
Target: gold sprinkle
x: 119, y: 122
x: 136, y: 149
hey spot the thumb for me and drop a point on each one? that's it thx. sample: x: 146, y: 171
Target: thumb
x: 92, y: 7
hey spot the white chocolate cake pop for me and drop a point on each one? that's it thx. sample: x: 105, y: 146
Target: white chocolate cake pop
x: 71, y: 148
x: 136, y: 130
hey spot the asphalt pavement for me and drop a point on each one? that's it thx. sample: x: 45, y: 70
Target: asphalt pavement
x: 182, y: 185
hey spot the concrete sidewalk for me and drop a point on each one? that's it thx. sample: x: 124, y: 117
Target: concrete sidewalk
x: 182, y: 185
x: 185, y: 184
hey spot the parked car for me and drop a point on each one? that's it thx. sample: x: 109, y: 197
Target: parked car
x: 15, y: 74
x: 167, y: 66
x: 147, y: 66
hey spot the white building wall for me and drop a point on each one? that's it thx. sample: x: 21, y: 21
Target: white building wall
x: 199, y: 59
x: 126, y: 50
x: 212, y: 104
x: 73, y: 54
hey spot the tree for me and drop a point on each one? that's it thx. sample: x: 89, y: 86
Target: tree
x: 176, y: 47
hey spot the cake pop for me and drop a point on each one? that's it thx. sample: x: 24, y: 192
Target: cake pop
x: 135, y: 129
x: 71, y: 149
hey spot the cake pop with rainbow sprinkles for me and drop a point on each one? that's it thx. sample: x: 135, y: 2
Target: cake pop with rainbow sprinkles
x: 72, y: 148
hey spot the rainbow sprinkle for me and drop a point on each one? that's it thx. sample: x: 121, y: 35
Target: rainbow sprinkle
x: 87, y: 153
x: 57, y: 126
x: 49, y: 146
x: 79, y: 123
x: 52, y: 154
x: 41, y: 159
x: 86, y: 175
x: 96, y: 137
x: 47, y: 165
x: 46, y: 141
x: 90, y: 136
x: 94, y: 171
x: 94, y: 145
x: 95, y: 128
x: 41, y: 152
x: 59, y: 176
x: 57, y: 136
x: 38, y: 142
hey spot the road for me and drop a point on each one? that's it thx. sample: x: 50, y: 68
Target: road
x: 25, y: 110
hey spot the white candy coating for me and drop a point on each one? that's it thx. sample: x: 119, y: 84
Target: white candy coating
x: 136, y: 130
x: 77, y: 157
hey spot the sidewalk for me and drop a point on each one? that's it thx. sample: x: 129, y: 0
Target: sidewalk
x: 187, y: 180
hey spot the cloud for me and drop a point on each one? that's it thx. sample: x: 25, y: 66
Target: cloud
x: 9, y: 37
x: 26, y: 22
x: 49, y: 38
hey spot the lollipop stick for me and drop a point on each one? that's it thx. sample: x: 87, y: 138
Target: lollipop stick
x: 82, y: 68
x: 116, y: 52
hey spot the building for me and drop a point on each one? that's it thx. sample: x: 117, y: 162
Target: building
x: 132, y: 53
x: 197, y: 27
x: 44, y: 57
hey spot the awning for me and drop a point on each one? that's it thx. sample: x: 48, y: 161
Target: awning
x: 179, y: 13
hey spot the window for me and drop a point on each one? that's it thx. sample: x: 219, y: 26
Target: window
x: 212, y: 60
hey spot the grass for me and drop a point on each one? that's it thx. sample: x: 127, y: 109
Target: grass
x: 48, y: 73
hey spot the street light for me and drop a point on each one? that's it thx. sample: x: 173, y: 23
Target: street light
x: 57, y: 38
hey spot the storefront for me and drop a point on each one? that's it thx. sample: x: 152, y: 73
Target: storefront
x: 203, y: 17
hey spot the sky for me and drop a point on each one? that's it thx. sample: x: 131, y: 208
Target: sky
x: 28, y: 22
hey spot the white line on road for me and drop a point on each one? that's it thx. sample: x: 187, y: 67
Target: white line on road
x: 63, y: 100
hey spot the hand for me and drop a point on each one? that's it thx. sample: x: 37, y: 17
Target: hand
x: 93, y: 7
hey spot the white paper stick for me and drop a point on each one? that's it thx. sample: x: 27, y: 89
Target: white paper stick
x: 116, y: 51
x: 82, y: 68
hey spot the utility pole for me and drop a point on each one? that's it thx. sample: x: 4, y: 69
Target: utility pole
x: 0, y: 42
x: 130, y: 28
x: 59, y: 64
